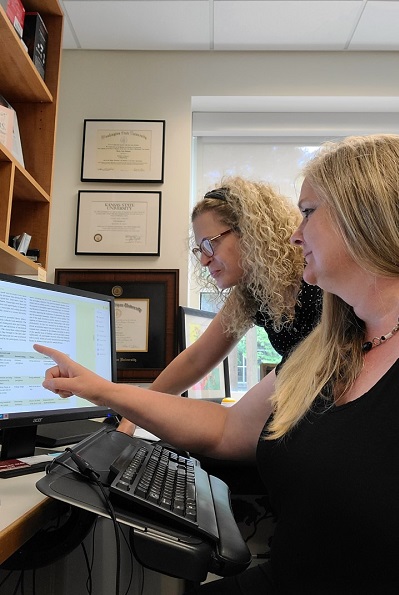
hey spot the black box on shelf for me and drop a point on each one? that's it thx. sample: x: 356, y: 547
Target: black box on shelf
x: 35, y: 36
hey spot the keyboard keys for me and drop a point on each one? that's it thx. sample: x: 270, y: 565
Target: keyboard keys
x: 163, y: 479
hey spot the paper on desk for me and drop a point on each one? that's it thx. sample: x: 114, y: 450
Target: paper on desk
x: 141, y: 433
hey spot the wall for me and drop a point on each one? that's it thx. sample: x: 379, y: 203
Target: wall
x: 159, y: 85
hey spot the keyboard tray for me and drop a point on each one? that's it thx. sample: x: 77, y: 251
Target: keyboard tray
x: 156, y: 539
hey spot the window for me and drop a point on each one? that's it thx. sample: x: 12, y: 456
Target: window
x: 278, y: 161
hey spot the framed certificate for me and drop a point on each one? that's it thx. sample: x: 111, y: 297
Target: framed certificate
x: 123, y: 151
x: 146, y: 304
x: 121, y: 223
x: 215, y: 386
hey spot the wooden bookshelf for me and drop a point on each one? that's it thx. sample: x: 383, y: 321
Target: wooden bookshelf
x: 25, y: 191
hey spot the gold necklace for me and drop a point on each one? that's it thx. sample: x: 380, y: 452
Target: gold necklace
x: 368, y: 345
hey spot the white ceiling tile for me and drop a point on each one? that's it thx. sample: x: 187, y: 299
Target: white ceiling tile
x: 231, y: 24
x: 378, y: 28
x: 284, y: 25
x: 138, y: 25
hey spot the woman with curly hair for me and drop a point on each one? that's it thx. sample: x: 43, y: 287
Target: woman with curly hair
x: 266, y: 286
x: 242, y: 231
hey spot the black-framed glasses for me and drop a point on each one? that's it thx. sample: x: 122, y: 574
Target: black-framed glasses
x: 206, y: 246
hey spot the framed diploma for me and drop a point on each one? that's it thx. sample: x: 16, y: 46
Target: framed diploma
x: 121, y: 223
x: 215, y: 386
x: 146, y: 305
x: 123, y: 151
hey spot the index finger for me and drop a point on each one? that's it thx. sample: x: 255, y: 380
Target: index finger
x: 49, y: 351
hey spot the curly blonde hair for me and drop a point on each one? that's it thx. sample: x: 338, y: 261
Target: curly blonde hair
x: 264, y: 221
x: 358, y: 180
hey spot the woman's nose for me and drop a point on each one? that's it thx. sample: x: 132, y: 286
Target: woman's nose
x: 205, y: 259
x: 297, y: 238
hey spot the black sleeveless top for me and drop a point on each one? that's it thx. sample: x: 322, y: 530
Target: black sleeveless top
x: 333, y: 483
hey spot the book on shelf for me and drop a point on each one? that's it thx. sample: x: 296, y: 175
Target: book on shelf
x: 20, y: 243
x: 9, y: 130
x: 35, y: 36
x: 7, y: 126
x: 15, y: 11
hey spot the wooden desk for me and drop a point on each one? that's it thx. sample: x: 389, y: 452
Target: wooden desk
x: 23, y: 511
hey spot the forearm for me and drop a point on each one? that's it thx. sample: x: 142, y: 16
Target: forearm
x: 177, y: 377
x: 187, y: 423
x: 182, y: 373
x: 192, y: 364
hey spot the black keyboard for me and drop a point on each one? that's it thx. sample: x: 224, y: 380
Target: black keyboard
x: 172, y: 486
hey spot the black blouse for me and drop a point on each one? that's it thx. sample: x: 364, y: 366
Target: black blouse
x: 307, y: 315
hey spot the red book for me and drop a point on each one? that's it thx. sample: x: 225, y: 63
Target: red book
x: 16, y: 13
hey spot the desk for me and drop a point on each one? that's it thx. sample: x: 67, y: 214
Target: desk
x: 23, y: 510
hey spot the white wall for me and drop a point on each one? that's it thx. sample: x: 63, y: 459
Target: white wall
x: 159, y: 85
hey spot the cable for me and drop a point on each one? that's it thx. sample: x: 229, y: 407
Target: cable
x: 87, y: 471
x: 6, y: 578
x: 131, y: 563
x: 256, y: 523
x: 84, y: 466
x: 18, y: 583
x: 137, y: 558
x: 89, y: 582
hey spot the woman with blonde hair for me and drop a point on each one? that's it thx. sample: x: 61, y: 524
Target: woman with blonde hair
x: 325, y: 434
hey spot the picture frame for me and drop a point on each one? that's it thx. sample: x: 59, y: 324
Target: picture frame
x: 123, y: 150
x: 216, y: 385
x: 146, y: 306
x: 122, y: 223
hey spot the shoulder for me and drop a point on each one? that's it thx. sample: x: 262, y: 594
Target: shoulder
x: 309, y: 295
x: 308, y: 308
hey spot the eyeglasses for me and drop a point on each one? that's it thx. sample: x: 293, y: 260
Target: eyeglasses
x: 206, y: 246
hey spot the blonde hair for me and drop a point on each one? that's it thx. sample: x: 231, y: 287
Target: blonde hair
x: 264, y: 221
x: 358, y: 180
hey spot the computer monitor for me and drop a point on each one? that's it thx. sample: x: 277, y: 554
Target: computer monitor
x: 77, y: 322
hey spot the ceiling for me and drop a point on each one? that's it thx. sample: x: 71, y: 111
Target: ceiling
x: 227, y: 25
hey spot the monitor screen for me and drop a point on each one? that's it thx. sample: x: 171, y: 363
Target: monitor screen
x: 77, y: 322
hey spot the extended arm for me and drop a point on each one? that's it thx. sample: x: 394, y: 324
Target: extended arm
x: 199, y: 426
x: 192, y: 364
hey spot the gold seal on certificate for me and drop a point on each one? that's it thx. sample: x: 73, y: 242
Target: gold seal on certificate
x: 98, y: 237
x: 117, y: 291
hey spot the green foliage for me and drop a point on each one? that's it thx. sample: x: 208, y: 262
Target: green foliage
x: 266, y: 353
